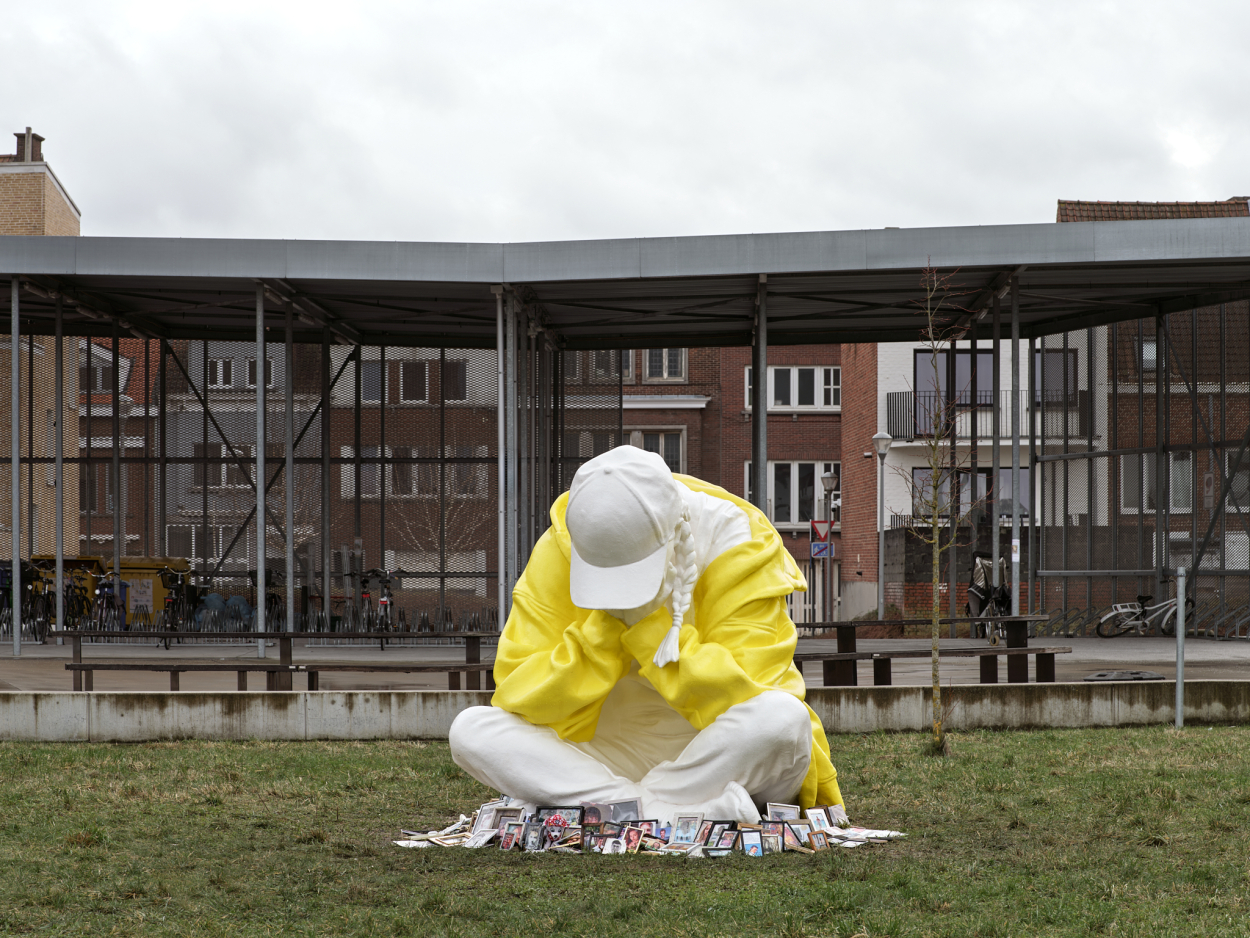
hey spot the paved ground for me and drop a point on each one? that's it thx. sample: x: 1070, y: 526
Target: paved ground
x: 42, y: 667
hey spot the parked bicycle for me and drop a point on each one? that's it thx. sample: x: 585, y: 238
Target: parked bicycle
x: 275, y: 601
x: 178, y: 613
x: 379, y: 620
x: 107, y: 611
x: 986, y: 600
x: 1141, y: 617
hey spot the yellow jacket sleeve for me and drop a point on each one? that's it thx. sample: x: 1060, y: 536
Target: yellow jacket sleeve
x: 556, y: 663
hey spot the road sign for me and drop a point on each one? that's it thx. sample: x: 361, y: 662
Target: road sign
x: 821, y: 550
x: 820, y: 531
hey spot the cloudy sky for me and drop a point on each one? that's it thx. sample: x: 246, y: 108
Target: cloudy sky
x: 513, y: 121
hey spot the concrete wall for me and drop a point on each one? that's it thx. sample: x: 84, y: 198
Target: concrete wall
x: 114, y: 717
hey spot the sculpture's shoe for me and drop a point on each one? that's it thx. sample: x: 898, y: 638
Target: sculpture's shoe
x: 733, y: 804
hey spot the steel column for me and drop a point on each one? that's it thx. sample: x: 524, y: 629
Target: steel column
x: 1034, y: 532
x: 996, y: 435
x: 15, y: 466
x: 512, y: 530
x: 1160, y: 406
x: 325, y: 475
x: 501, y: 458
x: 58, y: 472
x: 162, y: 539
x: 1015, y: 446
x: 288, y: 380
x: 115, y: 482
x: 759, y: 398
x: 261, y: 560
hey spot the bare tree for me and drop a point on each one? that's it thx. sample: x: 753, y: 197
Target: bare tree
x: 937, y: 500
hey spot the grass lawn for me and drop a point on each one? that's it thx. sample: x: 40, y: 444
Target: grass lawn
x: 1113, y: 832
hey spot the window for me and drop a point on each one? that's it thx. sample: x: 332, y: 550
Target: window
x: 414, y: 382
x: 1239, y: 491
x: 571, y: 363
x: 928, y: 382
x: 222, y: 470
x: 969, y: 493
x: 604, y: 364
x: 796, y: 494
x: 198, y: 543
x: 1137, y: 482
x: 251, y: 372
x: 583, y: 444
x: 798, y: 388
x: 1149, y: 355
x: 370, y: 472
x: 455, y: 381
x: 667, y: 445
x: 220, y: 372
x: 371, y: 382
x: 93, y: 487
x: 665, y: 364
x: 1054, y: 376
x: 95, y: 379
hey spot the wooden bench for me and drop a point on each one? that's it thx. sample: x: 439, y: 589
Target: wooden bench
x: 840, y: 671
x: 279, y: 672
x: 1017, y: 663
x: 86, y: 670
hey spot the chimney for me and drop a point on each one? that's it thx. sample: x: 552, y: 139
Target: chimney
x: 29, y: 147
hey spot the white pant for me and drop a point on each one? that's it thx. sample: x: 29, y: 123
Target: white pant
x: 757, y: 751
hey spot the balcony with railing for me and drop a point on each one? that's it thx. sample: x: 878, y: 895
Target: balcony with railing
x: 911, y: 416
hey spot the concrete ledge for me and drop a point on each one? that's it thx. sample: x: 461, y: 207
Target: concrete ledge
x: 1019, y: 706
x: 136, y: 717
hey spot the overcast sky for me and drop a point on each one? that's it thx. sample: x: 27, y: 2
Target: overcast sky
x: 514, y: 121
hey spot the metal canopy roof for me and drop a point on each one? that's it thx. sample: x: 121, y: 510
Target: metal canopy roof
x: 841, y: 286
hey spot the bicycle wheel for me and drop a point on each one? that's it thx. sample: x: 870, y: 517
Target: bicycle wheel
x: 1117, y: 625
x: 1168, y: 625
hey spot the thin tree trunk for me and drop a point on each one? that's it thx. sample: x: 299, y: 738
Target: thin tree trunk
x: 935, y: 616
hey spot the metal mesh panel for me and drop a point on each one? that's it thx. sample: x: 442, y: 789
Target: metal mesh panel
x: 1139, y: 469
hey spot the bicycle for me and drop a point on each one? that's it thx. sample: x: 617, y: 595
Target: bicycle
x: 380, y: 620
x: 77, y: 601
x: 1140, y: 616
x: 107, y: 613
x: 178, y: 609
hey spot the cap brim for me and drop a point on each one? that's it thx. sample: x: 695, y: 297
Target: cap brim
x: 625, y: 587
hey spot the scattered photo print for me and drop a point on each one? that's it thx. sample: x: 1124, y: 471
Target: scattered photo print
x: 624, y: 811
x: 686, y: 829
x: 782, y: 812
x: 819, y: 819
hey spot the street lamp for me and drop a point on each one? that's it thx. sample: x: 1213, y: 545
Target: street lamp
x: 881, y: 442
x: 828, y: 480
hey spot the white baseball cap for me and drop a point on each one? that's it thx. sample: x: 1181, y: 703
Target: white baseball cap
x: 623, y: 509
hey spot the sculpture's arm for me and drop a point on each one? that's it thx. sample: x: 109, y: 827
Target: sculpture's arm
x: 556, y: 663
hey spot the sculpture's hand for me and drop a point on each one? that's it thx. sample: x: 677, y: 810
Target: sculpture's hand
x: 668, y: 653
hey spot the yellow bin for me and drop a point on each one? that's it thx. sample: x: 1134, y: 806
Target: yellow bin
x: 144, y: 576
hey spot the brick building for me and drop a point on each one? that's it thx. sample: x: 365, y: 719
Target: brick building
x: 33, y: 200
x: 692, y: 407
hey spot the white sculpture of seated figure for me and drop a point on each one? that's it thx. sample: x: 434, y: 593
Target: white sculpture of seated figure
x: 649, y: 656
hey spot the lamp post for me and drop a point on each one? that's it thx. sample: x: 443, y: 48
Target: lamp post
x: 881, y: 442
x: 827, y: 481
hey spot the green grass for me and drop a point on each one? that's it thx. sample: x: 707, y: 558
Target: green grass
x: 1098, y: 832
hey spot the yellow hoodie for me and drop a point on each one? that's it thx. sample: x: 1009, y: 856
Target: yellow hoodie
x: 556, y: 663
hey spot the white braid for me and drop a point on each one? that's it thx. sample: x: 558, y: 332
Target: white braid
x: 683, y: 573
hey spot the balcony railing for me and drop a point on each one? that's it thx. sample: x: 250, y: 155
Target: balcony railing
x: 911, y: 416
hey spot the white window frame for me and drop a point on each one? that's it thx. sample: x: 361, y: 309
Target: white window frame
x: 1175, y: 485
x: 627, y: 367
x: 214, y: 369
x: 637, y: 437
x: 479, y: 475
x: 371, y: 362
x: 270, y: 367
x: 818, y: 509
x: 403, y: 387
x: 827, y: 378
x: 666, y: 378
